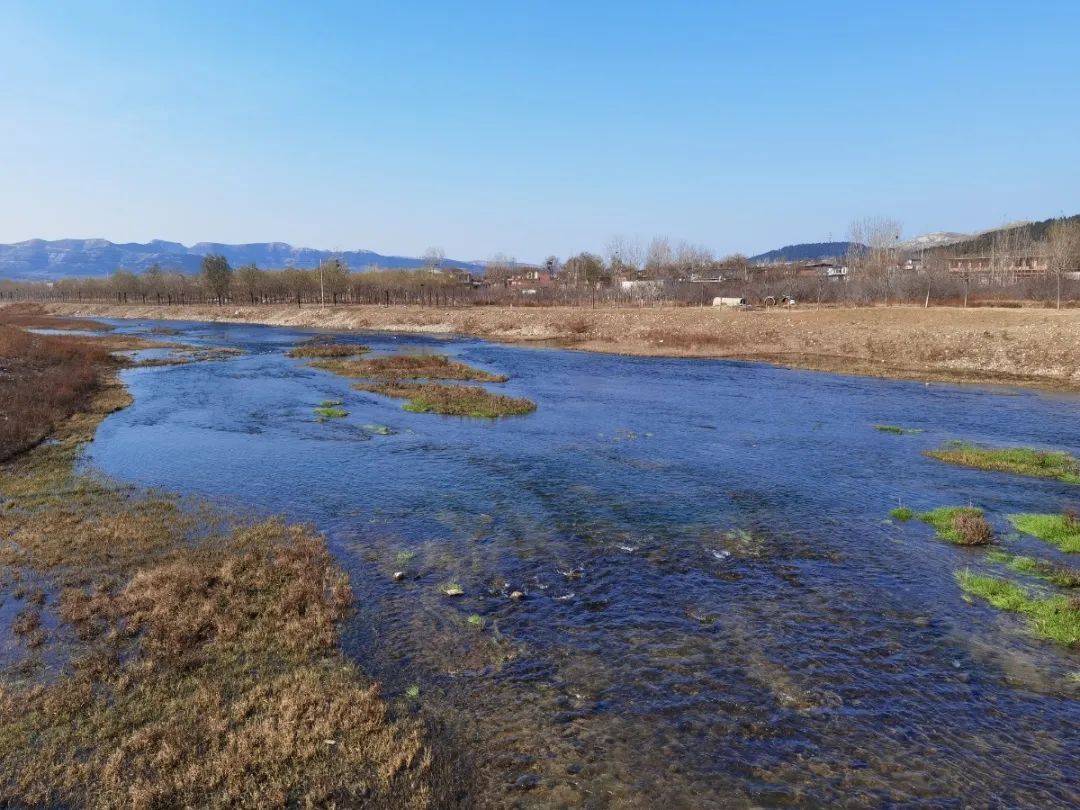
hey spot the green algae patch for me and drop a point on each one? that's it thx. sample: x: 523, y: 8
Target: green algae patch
x: 452, y: 400
x: 330, y: 409
x: 902, y: 513
x: 1061, y: 575
x: 1061, y: 530
x: 410, y: 367
x: 1056, y: 618
x: 897, y: 429
x: 962, y: 525
x: 1018, y: 460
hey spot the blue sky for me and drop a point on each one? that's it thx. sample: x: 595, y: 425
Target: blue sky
x: 532, y: 128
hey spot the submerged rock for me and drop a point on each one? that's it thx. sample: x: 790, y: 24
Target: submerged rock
x: 526, y: 781
x: 517, y: 596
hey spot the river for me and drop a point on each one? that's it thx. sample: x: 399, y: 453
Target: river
x: 717, y: 611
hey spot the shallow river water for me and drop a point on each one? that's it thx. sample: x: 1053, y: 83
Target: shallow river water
x: 717, y: 611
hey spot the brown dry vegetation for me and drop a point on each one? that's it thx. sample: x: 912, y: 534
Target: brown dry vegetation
x: 35, y: 316
x: 202, y: 666
x: 327, y: 349
x: 1021, y: 346
x: 43, y: 380
x: 410, y: 367
x: 452, y: 400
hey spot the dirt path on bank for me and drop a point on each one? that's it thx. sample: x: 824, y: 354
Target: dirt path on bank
x: 1035, y: 347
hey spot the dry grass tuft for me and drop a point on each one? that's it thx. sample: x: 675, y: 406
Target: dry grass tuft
x: 972, y: 529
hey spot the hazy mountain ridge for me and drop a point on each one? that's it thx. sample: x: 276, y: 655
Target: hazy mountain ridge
x: 1024, y: 233
x: 807, y: 252
x: 41, y: 259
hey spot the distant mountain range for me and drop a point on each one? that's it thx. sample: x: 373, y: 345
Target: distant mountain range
x: 39, y: 259
x: 806, y: 252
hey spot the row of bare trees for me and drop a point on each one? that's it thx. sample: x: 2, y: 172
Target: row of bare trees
x: 674, y: 273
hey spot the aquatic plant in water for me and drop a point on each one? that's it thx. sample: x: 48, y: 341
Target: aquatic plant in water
x: 1061, y: 530
x: 902, y: 513
x: 963, y: 525
x: 902, y: 431
x: 330, y: 409
x: 1018, y: 460
x: 1061, y: 575
x: 1055, y: 617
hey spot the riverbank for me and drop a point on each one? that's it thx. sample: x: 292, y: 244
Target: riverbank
x: 163, y: 653
x: 1032, y: 347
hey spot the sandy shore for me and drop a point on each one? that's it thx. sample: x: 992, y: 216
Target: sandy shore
x: 1035, y: 347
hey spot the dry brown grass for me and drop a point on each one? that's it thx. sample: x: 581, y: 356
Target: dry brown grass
x: 327, y: 349
x: 43, y: 380
x: 212, y: 679
x: 203, y: 662
x: 411, y: 367
x: 452, y: 400
x: 35, y: 316
x: 1017, y: 346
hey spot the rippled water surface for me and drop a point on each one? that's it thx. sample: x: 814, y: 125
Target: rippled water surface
x: 717, y: 611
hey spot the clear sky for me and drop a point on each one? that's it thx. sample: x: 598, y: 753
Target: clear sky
x: 533, y: 128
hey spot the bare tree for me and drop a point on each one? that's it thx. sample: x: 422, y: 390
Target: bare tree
x: 659, y: 258
x: 499, y: 268
x: 1063, y: 250
x: 624, y: 257
x: 874, y: 249
x: 433, y: 258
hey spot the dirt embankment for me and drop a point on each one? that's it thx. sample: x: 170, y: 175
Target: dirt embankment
x: 1018, y: 346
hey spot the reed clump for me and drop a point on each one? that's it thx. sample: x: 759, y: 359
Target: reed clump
x: 963, y: 525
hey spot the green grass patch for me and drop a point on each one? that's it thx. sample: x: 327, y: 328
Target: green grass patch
x: 1056, y: 617
x: 1018, y: 460
x: 900, y: 431
x: 452, y: 400
x: 963, y: 525
x: 1061, y: 575
x: 1061, y: 530
x: 902, y: 513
